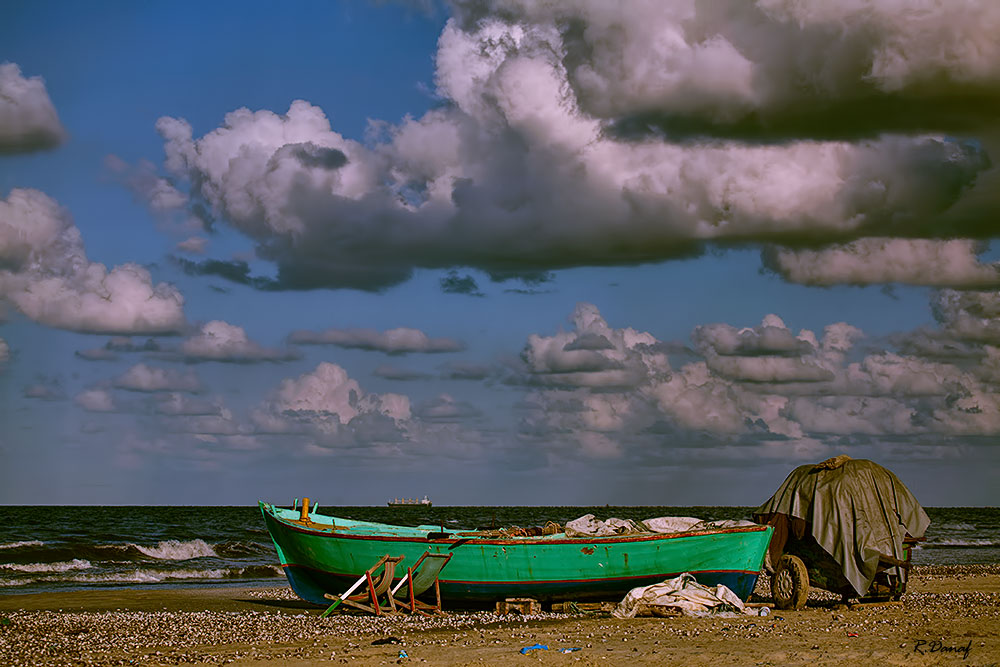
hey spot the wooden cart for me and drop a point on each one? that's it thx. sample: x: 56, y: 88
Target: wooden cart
x: 798, y: 563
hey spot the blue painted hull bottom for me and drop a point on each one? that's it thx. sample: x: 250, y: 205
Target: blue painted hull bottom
x: 310, y: 585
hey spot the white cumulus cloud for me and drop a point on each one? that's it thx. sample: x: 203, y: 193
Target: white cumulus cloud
x: 45, y: 273
x: 28, y: 120
x: 325, y: 401
x: 221, y: 341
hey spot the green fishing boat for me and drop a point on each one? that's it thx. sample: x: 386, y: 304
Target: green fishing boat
x: 324, y: 554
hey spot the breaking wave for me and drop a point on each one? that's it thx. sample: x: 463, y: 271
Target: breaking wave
x: 176, y: 550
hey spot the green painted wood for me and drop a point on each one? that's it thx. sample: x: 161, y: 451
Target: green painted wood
x: 346, y: 548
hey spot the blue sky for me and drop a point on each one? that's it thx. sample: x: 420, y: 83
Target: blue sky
x: 497, y: 253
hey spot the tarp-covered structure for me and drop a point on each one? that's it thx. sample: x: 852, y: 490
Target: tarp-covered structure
x: 855, y: 509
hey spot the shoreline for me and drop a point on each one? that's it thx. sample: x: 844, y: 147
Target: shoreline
x: 948, y: 615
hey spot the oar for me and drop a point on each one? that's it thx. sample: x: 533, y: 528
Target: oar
x: 400, y: 584
x: 344, y: 596
x: 458, y: 543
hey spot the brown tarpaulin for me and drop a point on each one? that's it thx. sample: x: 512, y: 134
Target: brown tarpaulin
x: 854, y: 508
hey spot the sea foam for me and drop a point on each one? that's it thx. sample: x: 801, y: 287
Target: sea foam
x: 948, y: 542
x: 18, y: 545
x: 152, y: 576
x: 65, y: 566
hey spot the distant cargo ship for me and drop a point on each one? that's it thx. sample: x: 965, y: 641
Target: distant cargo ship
x: 407, y: 502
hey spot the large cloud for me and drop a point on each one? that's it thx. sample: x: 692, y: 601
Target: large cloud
x: 28, y: 121
x: 44, y: 271
x: 401, y: 340
x: 773, y: 69
x: 523, y: 170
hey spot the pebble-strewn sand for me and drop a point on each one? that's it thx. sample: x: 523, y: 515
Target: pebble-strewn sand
x: 949, y: 615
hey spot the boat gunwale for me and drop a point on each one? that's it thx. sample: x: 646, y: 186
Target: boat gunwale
x: 532, y: 540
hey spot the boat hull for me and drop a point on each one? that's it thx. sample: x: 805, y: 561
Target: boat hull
x: 319, y: 558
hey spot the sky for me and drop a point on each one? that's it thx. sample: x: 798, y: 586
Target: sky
x: 498, y: 252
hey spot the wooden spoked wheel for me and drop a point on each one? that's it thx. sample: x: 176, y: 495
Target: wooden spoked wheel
x: 790, y: 583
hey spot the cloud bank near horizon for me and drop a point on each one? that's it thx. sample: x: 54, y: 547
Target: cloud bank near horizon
x: 763, y: 388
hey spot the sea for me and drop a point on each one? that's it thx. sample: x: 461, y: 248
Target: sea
x: 46, y: 548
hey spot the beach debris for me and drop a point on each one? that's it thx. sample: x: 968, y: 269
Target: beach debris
x: 387, y: 640
x: 584, y: 607
x: 852, y: 634
x: 402, y: 654
x: 682, y: 595
x: 536, y: 647
x: 525, y: 606
x: 569, y: 650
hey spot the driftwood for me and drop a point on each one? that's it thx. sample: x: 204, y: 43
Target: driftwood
x: 583, y: 607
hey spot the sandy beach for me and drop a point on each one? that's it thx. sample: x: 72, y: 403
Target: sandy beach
x: 949, y: 615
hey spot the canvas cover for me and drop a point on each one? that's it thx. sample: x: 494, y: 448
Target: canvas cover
x: 590, y: 526
x: 854, y: 508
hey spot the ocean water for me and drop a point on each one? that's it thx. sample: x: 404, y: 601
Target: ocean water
x: 70, y: 548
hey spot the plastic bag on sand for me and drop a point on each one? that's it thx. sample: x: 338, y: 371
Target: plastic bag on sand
x: 685, y: 594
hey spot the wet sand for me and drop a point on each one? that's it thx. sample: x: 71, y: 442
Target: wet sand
x: 949, y: 615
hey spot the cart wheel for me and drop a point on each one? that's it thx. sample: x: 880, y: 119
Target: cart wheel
x: 790, y: 583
